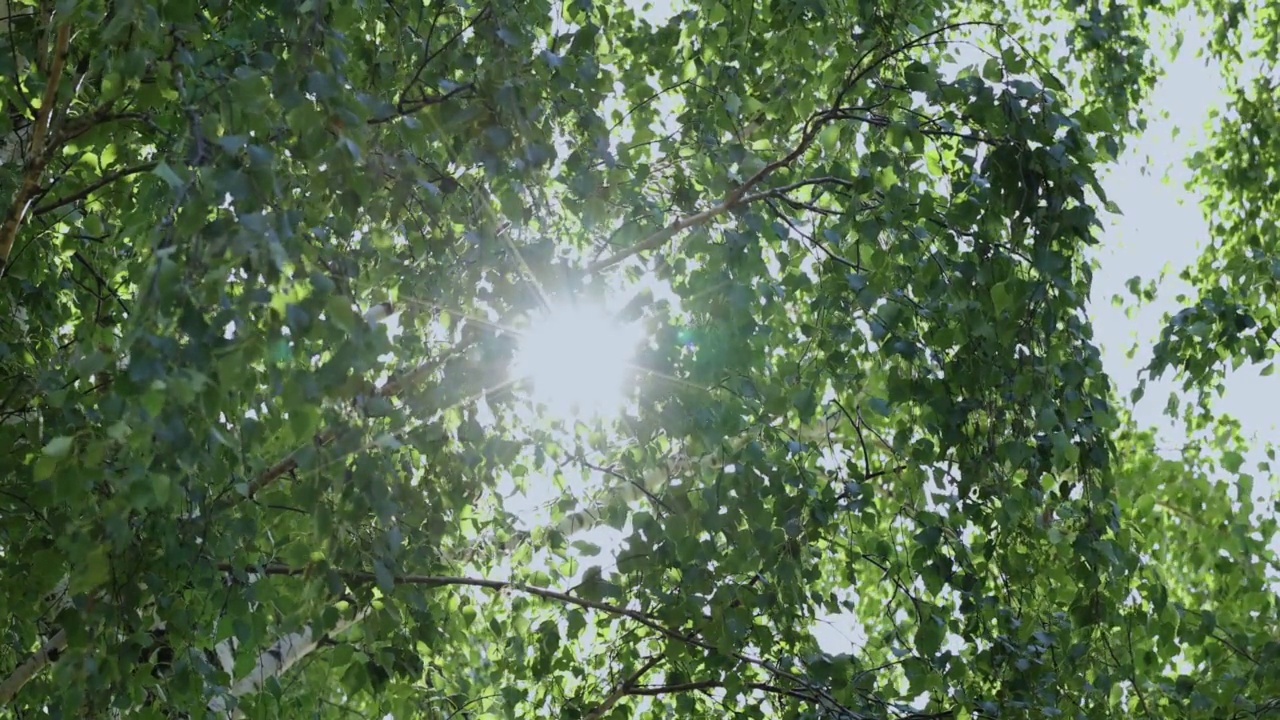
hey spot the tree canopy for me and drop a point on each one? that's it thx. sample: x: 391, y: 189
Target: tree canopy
x: 277, y: 441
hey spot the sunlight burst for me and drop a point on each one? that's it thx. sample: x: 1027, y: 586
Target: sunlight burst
x: 577, y: 360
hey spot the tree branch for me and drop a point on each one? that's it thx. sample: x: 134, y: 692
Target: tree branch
x: 409, y: 108
x: 276, y: 661
x: 736, y: 197
x: 739, y: 196
x: 709, y: 684
x: 23, y: 674
x: 38, y: 661
x: 93, y: 187
x: 326, y: 437
x: 37, y: 158
x: 625, y: 688
x: 77, y: 126
x: 438, y: 581
x: 401, y: 105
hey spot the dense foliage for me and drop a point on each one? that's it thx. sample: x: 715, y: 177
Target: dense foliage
x: 855, y: 235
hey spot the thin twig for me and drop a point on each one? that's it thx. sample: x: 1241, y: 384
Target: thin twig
x: 711, y: 684
x: 401, y: 105
x: 404, y: 109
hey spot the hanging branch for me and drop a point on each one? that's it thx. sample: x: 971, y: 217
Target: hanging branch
x: 625, y: 688
x: 737, y: 197
x: 38, y: 157
x: 297, y: 645
x: 299, y: 648
x: 404, y: 105
x: 742, y: 195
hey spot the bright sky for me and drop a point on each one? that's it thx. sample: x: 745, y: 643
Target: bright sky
x: 1163, y: 226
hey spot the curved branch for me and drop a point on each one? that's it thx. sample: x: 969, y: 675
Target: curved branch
x: 439, y: 581
x: 736, y: 197
x: 91, y: 188
x: 710, y: 684
x: 740, y: 196
x: 403, y: 106
x: 37, y: 158
x: 822, y: 429
x: 625, y: 688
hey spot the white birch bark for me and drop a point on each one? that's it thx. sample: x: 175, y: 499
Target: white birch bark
x: 38, y: 661
x: 276, y: 661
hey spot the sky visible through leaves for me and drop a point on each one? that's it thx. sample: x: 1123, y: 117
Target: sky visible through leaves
x: 865, y: 459
x: 1160, y: 232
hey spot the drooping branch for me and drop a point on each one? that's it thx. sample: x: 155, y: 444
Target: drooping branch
x: 710, y: 684
x: 59, y: 599
x: 404, y: 105
x: 323, y: 438
x: 13, y: 144
x: 824, y: 429
x: 742, y: 194
x: 441, y: 581
x: 413, y: 106
x: 287, y: 651
x: 656, y: 239
x: 37, y: 157
x: 737, y: 197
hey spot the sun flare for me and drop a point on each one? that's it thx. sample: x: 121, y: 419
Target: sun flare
x: 577, y: 360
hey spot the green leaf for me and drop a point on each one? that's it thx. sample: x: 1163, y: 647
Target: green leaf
x: 1232, y: 460
x: 866, y: 389
x: 59, y: 447
x: 166, y: 173
x: 385, y: 580
x: 92, y: 571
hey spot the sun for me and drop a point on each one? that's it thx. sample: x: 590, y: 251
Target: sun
x: 577, y: 360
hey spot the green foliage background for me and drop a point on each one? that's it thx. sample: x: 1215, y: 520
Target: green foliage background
x: 878, y: 392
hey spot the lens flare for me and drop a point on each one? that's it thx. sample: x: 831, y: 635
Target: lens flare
x: 577, y: 360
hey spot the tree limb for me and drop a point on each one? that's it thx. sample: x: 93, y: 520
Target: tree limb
x: 736, y: 197
x: 709, y: 684
x: 276, y: 661
x: 38, y: 661
x: 92, y: 187
x: 14, y: 682
x: 37, y: 158
x: 625, y: 688
x: 739, y: 196
x: 402, y: 105
x: 437, y: 581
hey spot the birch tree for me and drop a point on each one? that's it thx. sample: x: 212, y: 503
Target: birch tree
x: 271, y: 277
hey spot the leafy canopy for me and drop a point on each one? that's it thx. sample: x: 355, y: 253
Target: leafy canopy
x: 854, y: 235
